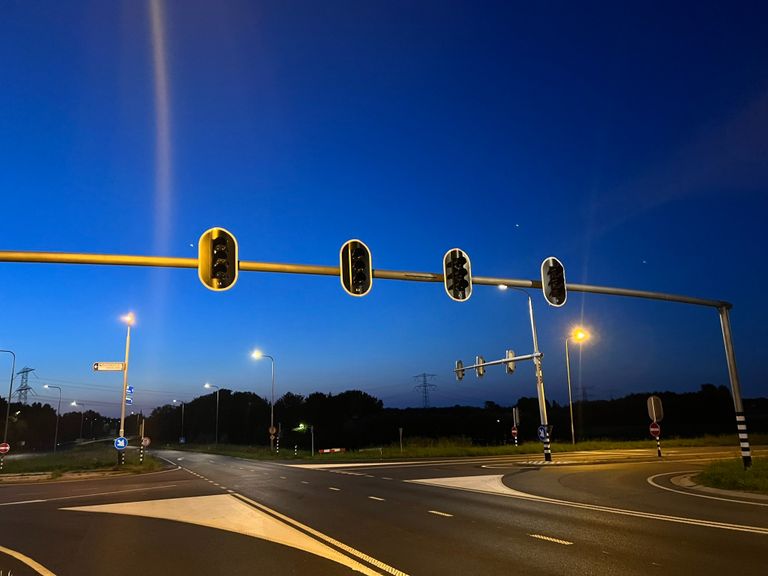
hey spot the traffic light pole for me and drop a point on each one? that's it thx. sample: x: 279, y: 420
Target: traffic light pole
x: 722, y: 307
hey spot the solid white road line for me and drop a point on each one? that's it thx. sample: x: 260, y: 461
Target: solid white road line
x: 494, y: 485
x: 651, y: 481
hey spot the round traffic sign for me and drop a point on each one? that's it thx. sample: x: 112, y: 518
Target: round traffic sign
x: 145, y: 441
x: 121, y: 443
x: 655, y: 429
x: 5, y: 448
x: 514, y: 431
x: 272, y: 430
x: 542, y: 432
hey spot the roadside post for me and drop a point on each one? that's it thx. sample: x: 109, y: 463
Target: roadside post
x: 656, y: 414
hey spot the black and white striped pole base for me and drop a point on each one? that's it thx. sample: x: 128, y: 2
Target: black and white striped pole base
x: 746, y: 453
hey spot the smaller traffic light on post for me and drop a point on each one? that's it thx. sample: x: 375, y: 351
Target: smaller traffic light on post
x: 217, y: 262
x: 509, y: 367
x: 553, y: 282
x: 459, y: 370
x: 355, y: 268
x: 479, y: 368
x: 457, y: 275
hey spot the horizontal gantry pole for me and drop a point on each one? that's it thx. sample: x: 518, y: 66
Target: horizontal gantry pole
x: 280, y: 268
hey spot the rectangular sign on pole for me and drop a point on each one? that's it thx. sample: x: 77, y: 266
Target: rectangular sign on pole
x: 108, y: 366
x: 655, y: 410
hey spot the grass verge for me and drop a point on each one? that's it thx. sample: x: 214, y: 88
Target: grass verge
x: 458, y: 447
x: 730, y: 475
x: 89, y: 458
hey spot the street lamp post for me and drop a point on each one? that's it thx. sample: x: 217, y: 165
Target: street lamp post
x: 8, y: 406
x: 82, y: 416
x: 579, y: 335
x: 182, y: 418
x: 58, y: 411
x: 217, y: 408
x: 257, y: 354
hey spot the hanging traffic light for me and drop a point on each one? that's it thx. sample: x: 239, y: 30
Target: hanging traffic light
x: 217, y: 262
x: 553, y: 282
x: 509, y: 367
x: 479, y: 368
x: 457, y: 275
x: 356, y: 271
x: 459, y: 370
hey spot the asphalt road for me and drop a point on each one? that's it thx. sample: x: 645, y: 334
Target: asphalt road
x: 618, y: 512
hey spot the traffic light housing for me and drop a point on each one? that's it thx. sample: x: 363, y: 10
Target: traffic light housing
x: 459, y: 370
x: 479, y: 370
x: 217, y: 259
x: 553, y: 282
x: 509, y: 367
x: 355, y: 268
x: 457, y: 275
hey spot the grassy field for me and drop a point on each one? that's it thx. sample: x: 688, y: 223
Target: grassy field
x: 730, y: 475
x: 92, y: 457
x: 454, y: 447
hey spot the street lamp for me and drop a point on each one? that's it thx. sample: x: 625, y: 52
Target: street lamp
x: 82, y: 415
x: 578, y: 335
x: 58, y: 410
x: 130, y: 320
x: 206, y: 385
x: 303, y: 428
x: 8, y: 406
x: 182, y: 420
x: 256, y: 355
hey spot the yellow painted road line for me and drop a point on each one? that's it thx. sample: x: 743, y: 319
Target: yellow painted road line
x: 36, y: 566
x: 319, y: 535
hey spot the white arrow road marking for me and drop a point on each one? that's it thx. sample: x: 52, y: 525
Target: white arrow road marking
x: 228, y: 512
x: 494, y: 485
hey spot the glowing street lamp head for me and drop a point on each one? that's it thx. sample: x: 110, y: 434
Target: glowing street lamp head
x: 206, y: 385
x: 45, y: 385
x: 129, y: 318
x: 503, y: 287
x: 580, y: 335
x: 73, y: 403
x: 256, y: 354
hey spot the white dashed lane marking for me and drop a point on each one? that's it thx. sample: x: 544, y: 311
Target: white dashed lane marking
x: 550, y: 539
x: 334, y: 488
x: 377, y: 498
x: 438, y: 513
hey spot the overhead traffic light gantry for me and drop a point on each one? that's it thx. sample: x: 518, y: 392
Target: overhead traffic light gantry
x: 457, y: 275
x: 355, y: 268
x: 217, y: 261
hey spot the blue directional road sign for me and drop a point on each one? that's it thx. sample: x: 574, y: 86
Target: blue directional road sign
x: 542, y: 432
x: 128, y: 400
x: 129, y: 390
x: 121, y: 443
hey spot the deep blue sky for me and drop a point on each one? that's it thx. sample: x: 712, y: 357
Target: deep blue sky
x: 631, y: 141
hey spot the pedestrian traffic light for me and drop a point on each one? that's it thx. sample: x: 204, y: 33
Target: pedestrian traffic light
x: 479, y: 368
x: 509, y: 367
x: 355, y: 269
x: 459, y: 370
x: 553, y: 282
x: 217, y: 262
x: 457, y: 275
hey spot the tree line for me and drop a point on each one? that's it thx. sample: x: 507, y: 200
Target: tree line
x: 354, y: 419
